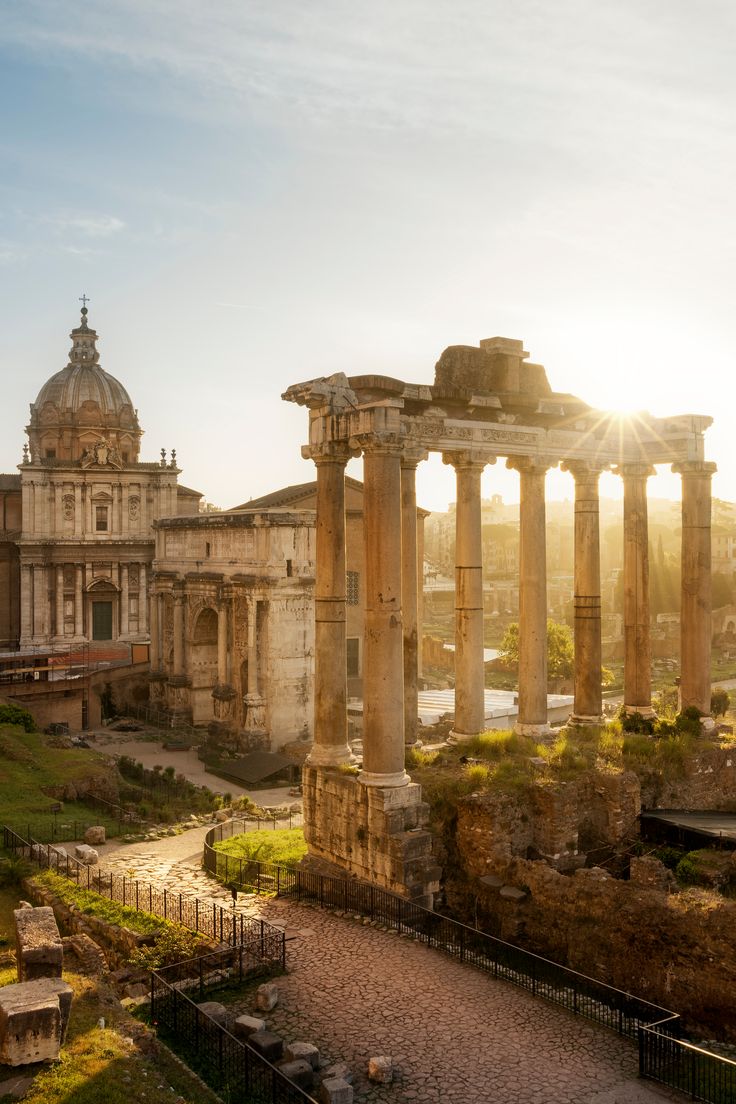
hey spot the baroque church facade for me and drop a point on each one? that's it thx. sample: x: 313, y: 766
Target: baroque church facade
x: 77, y: 541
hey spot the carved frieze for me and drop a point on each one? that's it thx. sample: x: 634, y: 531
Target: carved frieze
x: 68, y: 506
x: 134, y: 507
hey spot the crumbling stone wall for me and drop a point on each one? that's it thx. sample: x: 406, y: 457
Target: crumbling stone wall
x: 675, y: 949
x: 707, y: 781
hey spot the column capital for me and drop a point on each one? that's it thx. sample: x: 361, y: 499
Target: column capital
x: 584, y: 469
x: 378, y: 442
x: 534, y: 465
x: 694, y: 467
x: 411, y: 456
x: 468, y: 459
x: 328, y: 452
x: 636, y: 470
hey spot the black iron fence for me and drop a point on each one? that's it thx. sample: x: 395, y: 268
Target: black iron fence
x: 663, y: 1054
x: 206, y: 917
x: 229, y: 1066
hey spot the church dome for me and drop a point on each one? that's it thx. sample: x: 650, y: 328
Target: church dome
x: 81, y: 405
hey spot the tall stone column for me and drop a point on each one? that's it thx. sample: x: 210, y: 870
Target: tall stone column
x: 60, y: 600
x: 410, y: 592
x: 383, y: 663
x: 155, y: 633
x: 637, y: 642
x: 588, y: 707
x: 222, y: 645
x: 124, y: 601
x: 330, y: 747
x: 469, y: 665
x: 78, y: 601
x: 40, y: 601
x: 179, y: 600
x: 695, y: 613
x: 532, y: 596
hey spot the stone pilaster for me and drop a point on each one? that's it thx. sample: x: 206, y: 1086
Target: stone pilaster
x: 469, y: 665
x: 330, y: 747
x: 26, y: 603
x: 142, y: 603
x: 179, y: 600
x: 532, y: 596
x: 410, y: 592
x: 383, y: 661
x: 60, y: 601
x: 695, y: 612
x: 637, y: 640
x: 588, y: 706
x: 155, y: 634
x: 78, y: 601
x: 124, y: 601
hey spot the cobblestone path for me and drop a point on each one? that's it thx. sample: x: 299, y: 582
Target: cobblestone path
x: 456, y: 1036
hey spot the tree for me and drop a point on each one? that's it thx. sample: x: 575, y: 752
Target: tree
x: 560, y: 650
x: 720, y: 702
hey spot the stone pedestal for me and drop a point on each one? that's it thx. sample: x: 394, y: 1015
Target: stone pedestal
x: 373, y: 833
x: 33, y: 1020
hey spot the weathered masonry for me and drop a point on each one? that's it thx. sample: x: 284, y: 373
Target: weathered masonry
x: 485, y: 402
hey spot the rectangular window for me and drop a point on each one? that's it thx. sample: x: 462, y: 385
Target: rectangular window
x: 101, y: 519
x: 50, y: 454
x: 353, y: 588
x: 353, y: 649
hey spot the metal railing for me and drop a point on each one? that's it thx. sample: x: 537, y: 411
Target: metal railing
x: 663, y: 1055
x: 229, y: 1066
x: 206, y: 917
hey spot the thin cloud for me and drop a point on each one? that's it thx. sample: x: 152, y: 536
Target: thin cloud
x: 101, y: 226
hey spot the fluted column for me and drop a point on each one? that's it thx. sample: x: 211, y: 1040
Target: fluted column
x: 178, y: 633
x: 78, y: 601
x: 469, y: 665
x: 410, y: 592
x: 59, y: 600
x: 124, y: 600
x: 532, y: 596
x: 588, y: 707
x: 155, y: 633
x: 330, y: 747
x: 637, y: 641
x: 695, y: 612
x: 383, y: 664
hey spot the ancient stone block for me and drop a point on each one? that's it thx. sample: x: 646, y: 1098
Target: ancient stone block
x: 334, y: 1090
x: 381, y: 1069
x: 39, y: 949
x: 300, y: 1072
x: 215, y: 1011
x: 339, y: 1070
x: 302, y: 1051
x: 33, y: 1020
x: 267, y: 996
x: 648, y: 871
x: 95, y: 834
x: 86, y: 854
x: 245, y: 1026
x: 268, y: 1045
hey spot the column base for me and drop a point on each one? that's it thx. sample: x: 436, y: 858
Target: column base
x: 586, y: 719
x: 707, y: 724
x: 330, y: 755
x: 399, y: 778
x: 525, y: 729
x: 455, y: 736
x: 645, y: 711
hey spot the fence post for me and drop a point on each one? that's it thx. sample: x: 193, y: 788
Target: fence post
x: 278, y: 881
x: 642, y: 1063
x: 196, y: 913
x: 201, y: 979
x: 165, y: 905
x: 462, y: 944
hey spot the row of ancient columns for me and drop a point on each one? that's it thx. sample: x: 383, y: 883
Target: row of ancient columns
x: 390, y: 640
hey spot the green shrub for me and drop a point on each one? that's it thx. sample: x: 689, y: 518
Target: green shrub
x: 15, y: 715
x: 174, y: 943
x: 720, y: 702
x: 283, y: 845
x: 687, y: 872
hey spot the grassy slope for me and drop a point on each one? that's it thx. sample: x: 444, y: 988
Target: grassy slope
x: 284, y: 845
x: 29, y: 769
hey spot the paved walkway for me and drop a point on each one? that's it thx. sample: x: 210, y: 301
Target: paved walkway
x: 457, y: 1036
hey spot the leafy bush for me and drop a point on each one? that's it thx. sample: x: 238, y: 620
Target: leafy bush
x: 174, y: 943
x: 478, y: 774
x: 15, y: 715
x: 720, y: 702
x: 687, y: 872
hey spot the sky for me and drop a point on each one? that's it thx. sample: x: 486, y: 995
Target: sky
x: 256, y: 193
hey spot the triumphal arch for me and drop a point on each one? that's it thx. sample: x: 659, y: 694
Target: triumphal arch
x: 486, y: 402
